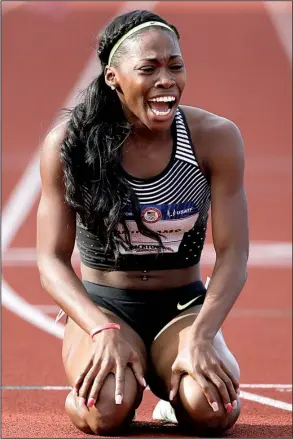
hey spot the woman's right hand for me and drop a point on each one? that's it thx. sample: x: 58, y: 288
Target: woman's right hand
x: 111, y: 353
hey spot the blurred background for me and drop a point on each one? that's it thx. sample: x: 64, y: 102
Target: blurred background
x: 239, y: 63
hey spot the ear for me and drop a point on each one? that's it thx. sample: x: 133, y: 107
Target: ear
x: 110, y: 77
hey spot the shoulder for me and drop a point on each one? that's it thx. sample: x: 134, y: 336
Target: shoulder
x: 209, y: 125
x: 214, y: 137
x: 50, y: 152
x: 53, y: 140
x: 55, y: 136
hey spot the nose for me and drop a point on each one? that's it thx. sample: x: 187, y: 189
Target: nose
x: 165, y: 80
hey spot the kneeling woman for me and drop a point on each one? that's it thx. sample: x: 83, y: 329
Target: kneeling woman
x: 130, y: 177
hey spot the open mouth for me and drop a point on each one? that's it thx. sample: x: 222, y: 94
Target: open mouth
x: 162, y: 105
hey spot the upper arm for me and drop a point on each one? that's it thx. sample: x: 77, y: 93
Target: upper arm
x: 228, y: 198
x: 55, y: 219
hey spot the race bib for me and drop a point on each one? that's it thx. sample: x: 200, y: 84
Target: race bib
x: 170, y: 220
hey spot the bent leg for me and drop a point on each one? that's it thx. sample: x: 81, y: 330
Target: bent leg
x: 106, y: 417
x: 191, y: 407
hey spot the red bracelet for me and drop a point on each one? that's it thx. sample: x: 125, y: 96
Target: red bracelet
x: 102, y: 327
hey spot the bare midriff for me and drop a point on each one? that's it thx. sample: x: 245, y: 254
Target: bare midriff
x: 142, y: 280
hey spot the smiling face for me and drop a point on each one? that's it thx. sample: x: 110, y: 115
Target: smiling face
x: 149, y: 77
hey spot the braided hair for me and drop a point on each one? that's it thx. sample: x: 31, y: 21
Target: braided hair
x: 91, y: 151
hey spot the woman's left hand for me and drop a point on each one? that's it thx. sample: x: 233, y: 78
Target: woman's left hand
x: 200, y: 360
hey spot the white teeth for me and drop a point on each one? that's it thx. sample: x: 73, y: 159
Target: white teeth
x: 163, y: 99
x: 161, y: 113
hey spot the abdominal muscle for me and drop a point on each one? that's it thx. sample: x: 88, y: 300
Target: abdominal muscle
x: 156, y: 279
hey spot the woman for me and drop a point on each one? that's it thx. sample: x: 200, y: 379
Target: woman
x: 131, y: 177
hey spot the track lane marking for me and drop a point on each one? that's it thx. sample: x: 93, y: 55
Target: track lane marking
x: 280, y: 14
x: 266, y: 401
x: 242, y: 386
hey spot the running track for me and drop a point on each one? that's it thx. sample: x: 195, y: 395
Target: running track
x: 238, y: 66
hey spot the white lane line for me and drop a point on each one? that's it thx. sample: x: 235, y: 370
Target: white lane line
x: 10, y: 6
x: 242, y: 386
x: 20, y: 202
x: 55, y: 388
x: 16, y: 304
x: 28, y: 187
x: 243, y: 394
x: 266, y: 401
x: 266, y: 386
x: 15, y: 212
x: 26, y: 191
x: 262, y: 254
x: 280, y: 13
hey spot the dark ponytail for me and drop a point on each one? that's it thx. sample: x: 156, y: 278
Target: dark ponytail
x: 91, y: 150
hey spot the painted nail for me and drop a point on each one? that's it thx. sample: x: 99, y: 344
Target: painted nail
x: 229, y: 408
x: 234, y: 404
x: 215, y: 406
x: 91, y: 402
x: 81, y: 401
x: 118, y: 399
x: 171, y: 395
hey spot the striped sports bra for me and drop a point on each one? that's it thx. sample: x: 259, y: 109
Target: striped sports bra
x: 174, y: 203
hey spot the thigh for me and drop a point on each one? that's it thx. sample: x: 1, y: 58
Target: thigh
x: 167, y: 344
x: 77, y: 346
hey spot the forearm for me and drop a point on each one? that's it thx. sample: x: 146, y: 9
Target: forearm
x: 63, y: 285
x: 228, y: 279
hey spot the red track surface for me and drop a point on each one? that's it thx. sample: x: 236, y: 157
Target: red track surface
x: 237, y: 68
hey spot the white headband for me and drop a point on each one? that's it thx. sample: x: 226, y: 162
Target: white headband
x: 132, y: 31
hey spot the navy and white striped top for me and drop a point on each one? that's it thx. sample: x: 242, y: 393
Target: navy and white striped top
x: 174, y: 203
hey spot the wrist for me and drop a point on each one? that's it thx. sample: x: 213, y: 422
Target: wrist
x: 107, y: 327
x: 105, y: 336
x: 202, y: 335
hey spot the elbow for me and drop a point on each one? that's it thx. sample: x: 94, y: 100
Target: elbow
x: 237, y: 260
x: 242, y: 268
x: 244, y: 255
x: 47, y: 259
x: 244, y: 274
x: 43, y: 263
x: 44, y: 260
x: 48, y: 266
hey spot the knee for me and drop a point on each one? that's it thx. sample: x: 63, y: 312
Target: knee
x: 194, y: 412
x: 106, y: 417
x: 75, y: 415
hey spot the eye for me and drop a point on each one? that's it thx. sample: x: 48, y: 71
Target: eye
x: 176, y: 67
x: 147, y: 69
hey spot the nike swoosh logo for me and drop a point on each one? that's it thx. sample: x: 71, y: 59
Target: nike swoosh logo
x: 185, y: 305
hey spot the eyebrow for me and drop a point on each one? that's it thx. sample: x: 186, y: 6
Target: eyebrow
x: 156, y: 59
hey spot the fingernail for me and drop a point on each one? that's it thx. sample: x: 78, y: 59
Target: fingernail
x: 74, y: 391
x: 238, y: 391
x: 118, y: 399
x: 229, y: 408
x: 81, y: 401
x: 234, y: 404
x: 144, y: 382
x: 171, y: 395
x: 215, y: 406
x: 91, y: 402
